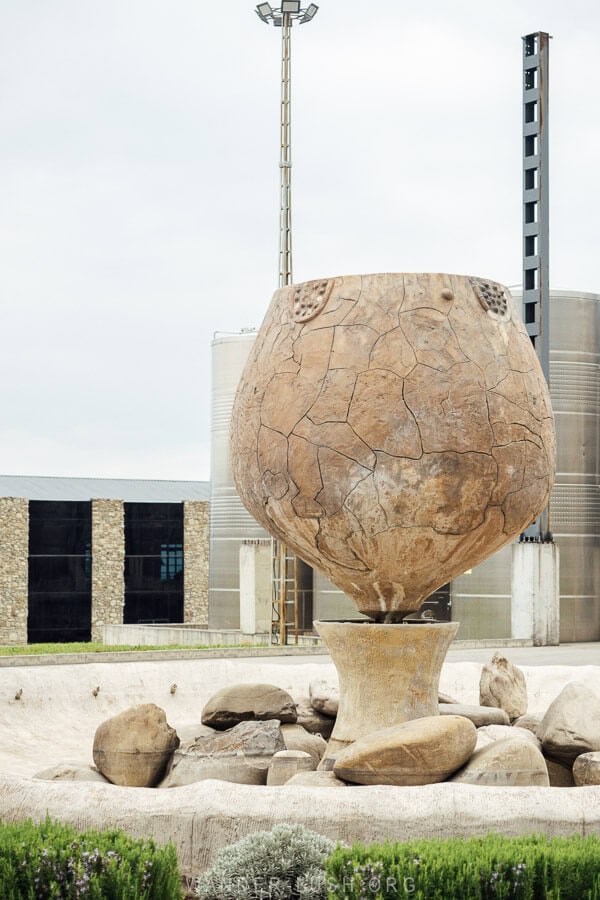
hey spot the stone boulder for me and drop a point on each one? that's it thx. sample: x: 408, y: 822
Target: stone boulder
x: 324, y: 697
x: 571, y: 725
x: 503, y: 685
x: 586, y: 769
x: 487, y: 734
x: 560, y: 775
x: 509, y: 762
x: 312, y: 720
x: 71, y: 772
x: 445, y: 698
x: 133, y: 748
x: 297, y: 738
x: 240, y: 755
x: 242, y: 702
x: 191, y: 732
x: 479, y: 715
x: 529, y: 721
x: 316, y: 779
x: 214, y: 768
x: 287, y: 763
x: 420, y: 751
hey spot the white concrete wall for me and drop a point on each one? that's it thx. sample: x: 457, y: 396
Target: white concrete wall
x: 256, y: 587
x: 168, y: 635
x: 535, y: 608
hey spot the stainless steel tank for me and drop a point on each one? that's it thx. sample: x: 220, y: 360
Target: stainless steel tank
x: 481, y: 598
x: 575, y: 503
x: 230, y: 523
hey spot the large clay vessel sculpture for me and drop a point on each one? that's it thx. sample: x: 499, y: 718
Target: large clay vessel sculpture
x: 393, y: 430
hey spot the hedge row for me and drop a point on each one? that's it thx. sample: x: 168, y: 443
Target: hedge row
x: 52, y: 860
x: 531, y: 868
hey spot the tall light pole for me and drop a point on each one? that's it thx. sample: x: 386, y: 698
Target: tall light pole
x: 283, y: 17
x: 285, y: 564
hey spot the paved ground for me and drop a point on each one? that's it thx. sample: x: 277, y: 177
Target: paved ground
x: 461, y: 651
x: 563, y: 655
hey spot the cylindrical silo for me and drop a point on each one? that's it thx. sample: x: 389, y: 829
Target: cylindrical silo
x: 481, y: 599
x: 575, y: 503
x: 230, y: 523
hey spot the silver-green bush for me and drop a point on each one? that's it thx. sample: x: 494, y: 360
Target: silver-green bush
x: 286, y: 863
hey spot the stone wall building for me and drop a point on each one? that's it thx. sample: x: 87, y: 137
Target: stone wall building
x: 79, y: 553
x: 14, y: 529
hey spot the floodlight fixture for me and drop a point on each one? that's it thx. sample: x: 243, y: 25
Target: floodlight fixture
x: 285, y: 15
x: 309, y: 13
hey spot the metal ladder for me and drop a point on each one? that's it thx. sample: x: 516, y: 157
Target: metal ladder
x: 284, y: 593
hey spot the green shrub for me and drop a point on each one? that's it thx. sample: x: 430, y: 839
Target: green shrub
x: 532, y: 868
x: 52, y: 860
x: 286, y: 862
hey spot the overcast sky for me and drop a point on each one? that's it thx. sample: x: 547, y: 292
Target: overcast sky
x: 139, y: 191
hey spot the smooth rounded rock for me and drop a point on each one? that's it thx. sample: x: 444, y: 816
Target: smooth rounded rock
x: 487, y: 734
x: 529, y: 721
x: 71, y: 772
x: 479, y: 715
x: 133, y: 748
x: 241, y: 702
x: 297, y: 738
x: 316, y: 779
x: 559, y: 774
x: 287, y: 763
x: 421, y: 751
x: 586, y: 769
x: 324, y: 697
x: 503, y: 685
x: 312, y: 720
x: 446, y: 698
x: 571, y: 725
x: 509, y: 762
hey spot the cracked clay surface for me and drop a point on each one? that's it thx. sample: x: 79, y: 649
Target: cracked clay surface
x: 393, y: 430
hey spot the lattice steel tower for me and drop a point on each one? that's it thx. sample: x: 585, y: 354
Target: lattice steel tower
x: 536, y: 215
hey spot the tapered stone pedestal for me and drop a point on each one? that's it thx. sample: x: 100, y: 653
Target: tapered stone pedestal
x: 387, y: 673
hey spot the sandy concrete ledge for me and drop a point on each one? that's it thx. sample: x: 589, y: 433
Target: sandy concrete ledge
x: 200, y: 818
x: 49, y: 715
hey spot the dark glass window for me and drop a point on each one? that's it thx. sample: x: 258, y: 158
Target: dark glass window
x: 59, y: 574
x: 59, y: 528
x: 153, y: 562
x: 54, y: 618
x: 60, y: 571
x: 146, y: 607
